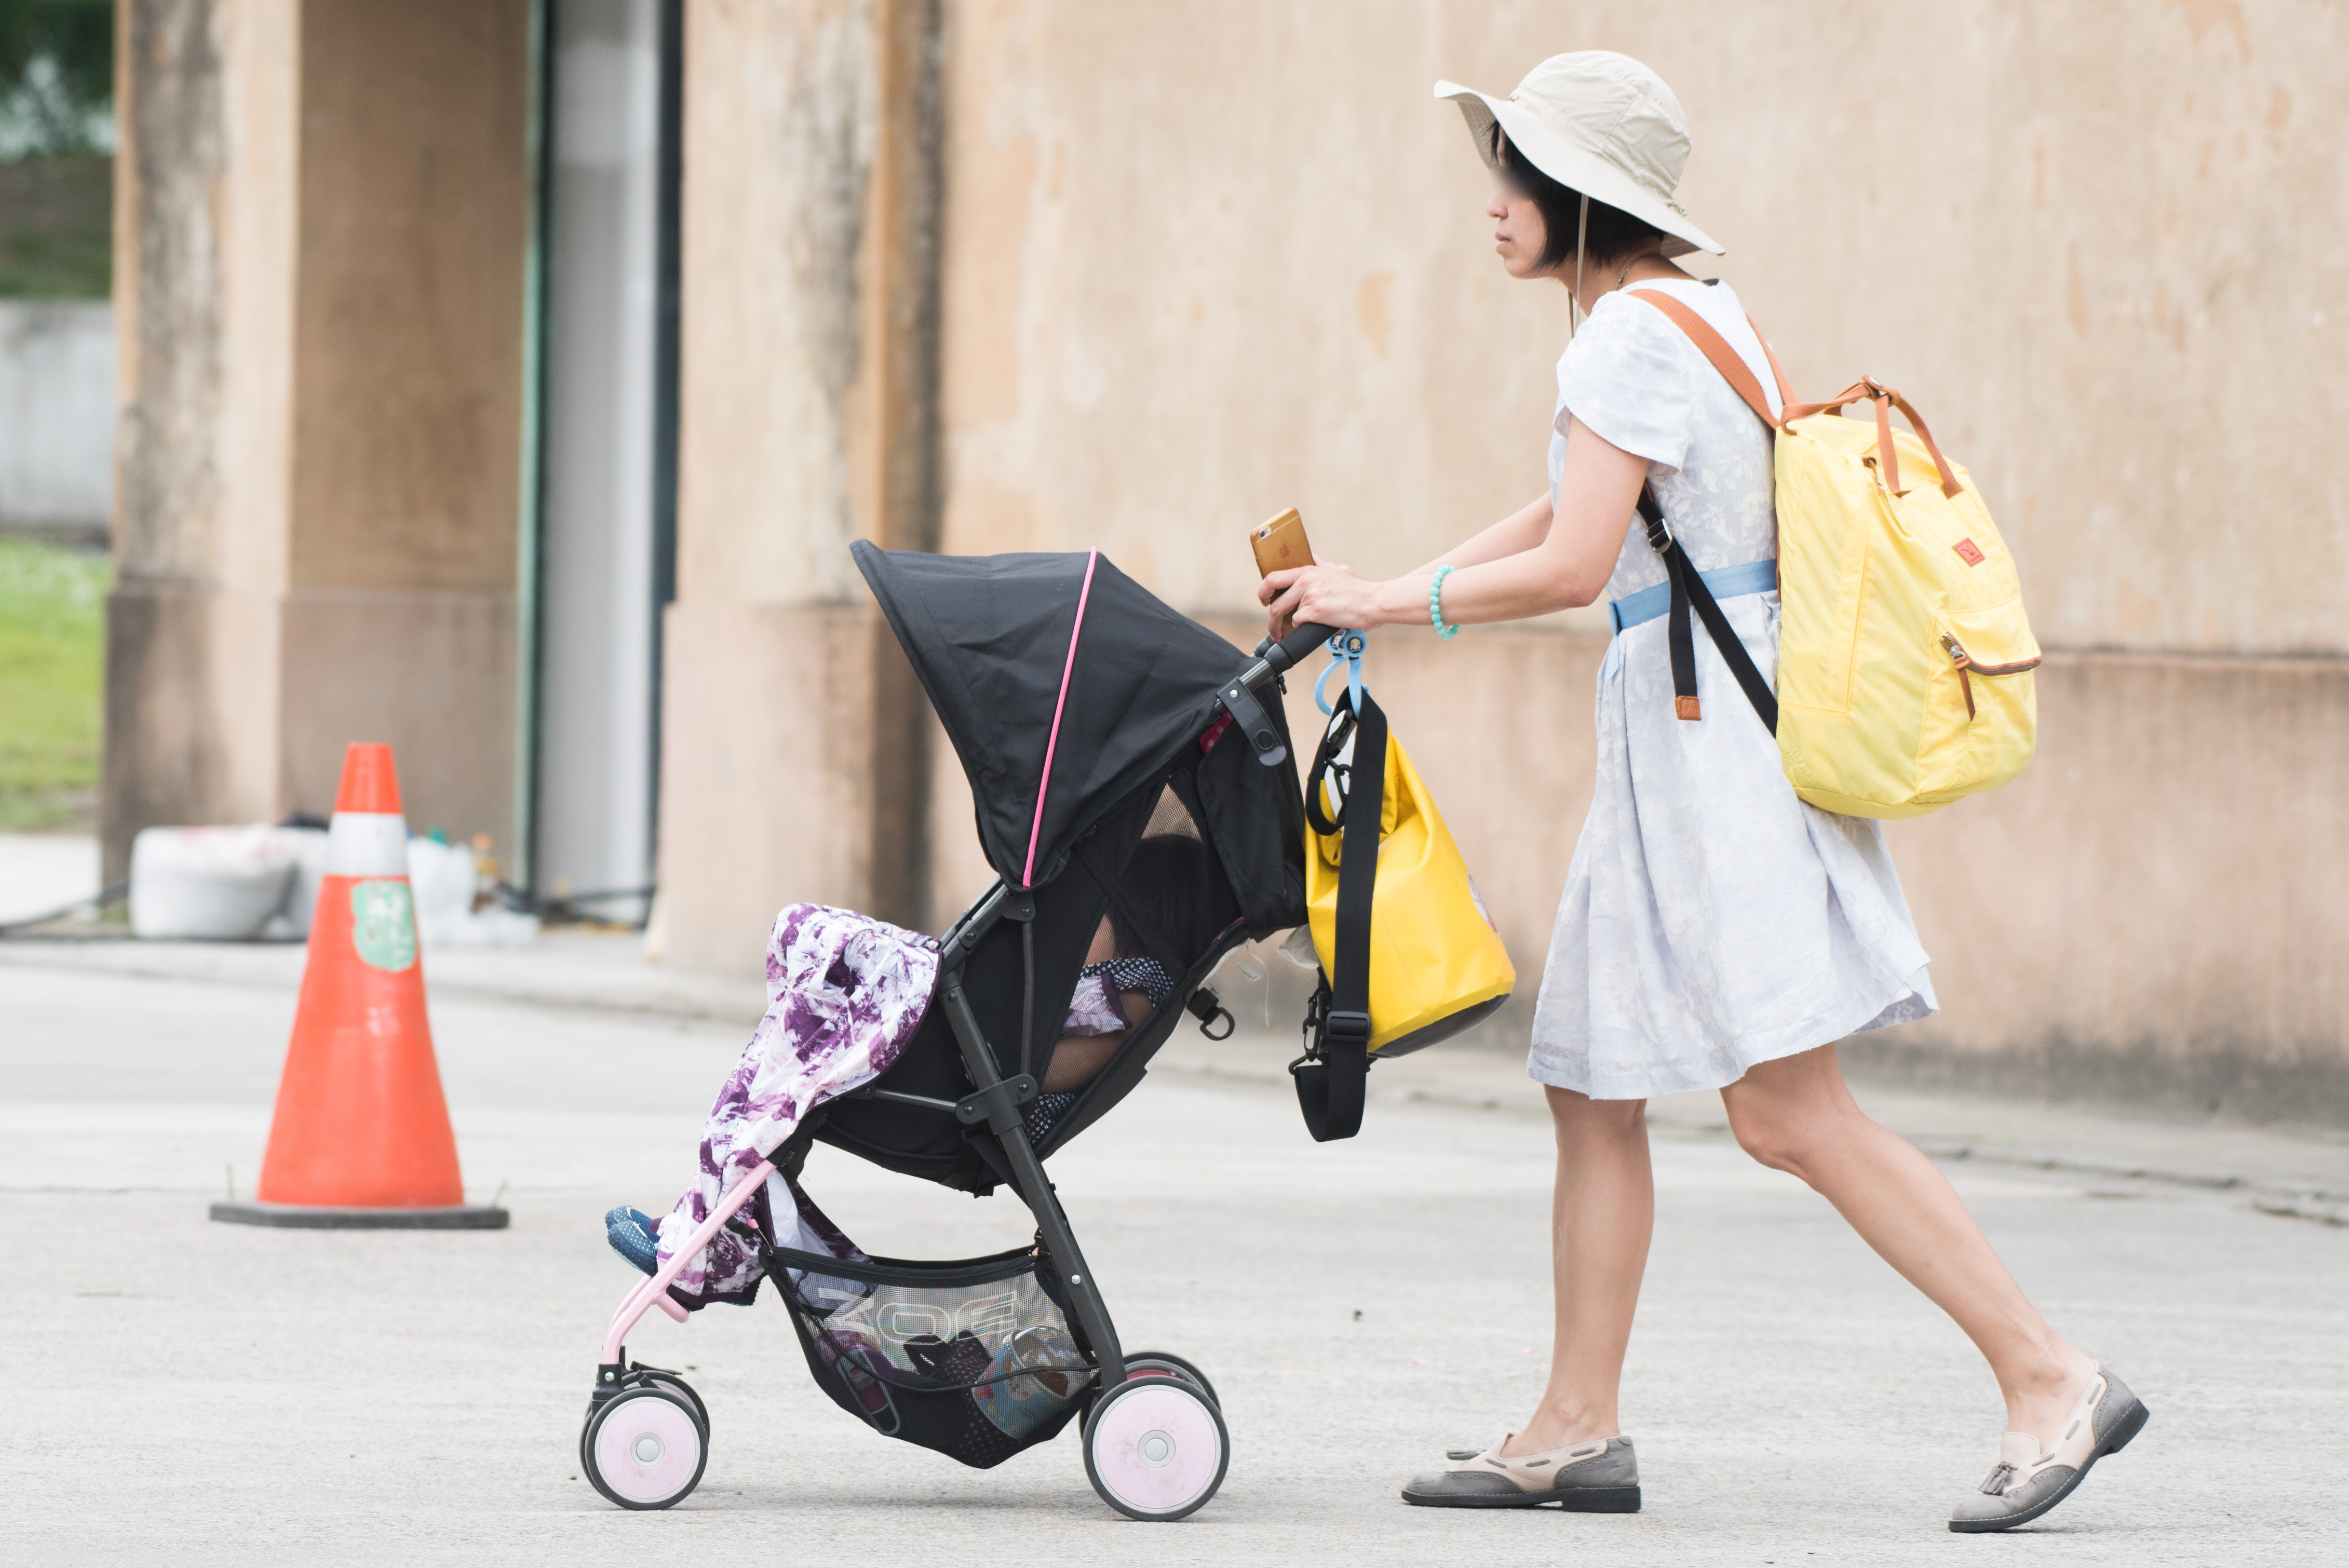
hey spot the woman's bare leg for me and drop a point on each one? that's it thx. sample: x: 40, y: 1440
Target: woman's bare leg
x: 1796, y: 1115
x: 1600, y: 1220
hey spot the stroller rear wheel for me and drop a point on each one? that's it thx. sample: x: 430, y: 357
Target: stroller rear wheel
x: 1167, y: 1363
x: 643, y: 1448
x: 1156, y: 1448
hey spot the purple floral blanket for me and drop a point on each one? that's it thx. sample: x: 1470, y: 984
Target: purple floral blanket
x: 845, y: 992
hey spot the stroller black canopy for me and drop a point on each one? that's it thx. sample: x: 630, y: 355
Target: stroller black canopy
x: 1061, y: 656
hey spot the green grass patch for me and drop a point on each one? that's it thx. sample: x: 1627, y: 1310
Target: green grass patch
x: 52, y: 685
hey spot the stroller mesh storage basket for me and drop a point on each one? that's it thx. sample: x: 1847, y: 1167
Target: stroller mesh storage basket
x: 977, y: 1358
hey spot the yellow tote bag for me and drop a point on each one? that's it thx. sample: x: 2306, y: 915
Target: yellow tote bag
x: 1408, y: 955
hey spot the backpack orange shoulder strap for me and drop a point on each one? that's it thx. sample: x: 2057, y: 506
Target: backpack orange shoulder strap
x: 1725, y: 359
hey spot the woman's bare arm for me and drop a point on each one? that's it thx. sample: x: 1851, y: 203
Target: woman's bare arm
x: 1566, y: 568
x: 1519, y: 531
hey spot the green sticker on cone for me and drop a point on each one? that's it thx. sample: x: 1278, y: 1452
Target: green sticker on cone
x: 383, y: 923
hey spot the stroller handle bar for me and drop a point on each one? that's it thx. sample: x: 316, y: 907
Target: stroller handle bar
x: 1237, y: 697
x: 1300, y: 641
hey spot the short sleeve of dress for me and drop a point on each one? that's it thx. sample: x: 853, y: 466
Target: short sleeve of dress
x: 1627, y: 378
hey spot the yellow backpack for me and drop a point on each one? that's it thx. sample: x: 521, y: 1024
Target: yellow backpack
x: 1904, y: 655
x: 1408, y: 955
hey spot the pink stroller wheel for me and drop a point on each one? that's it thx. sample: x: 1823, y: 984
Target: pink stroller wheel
x: 643, y: 1449
x: 1156, y: 1448
x: 662, y: 1378
x: 1167, y: 1364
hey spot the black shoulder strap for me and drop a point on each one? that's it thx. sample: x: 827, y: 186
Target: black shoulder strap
x: 1688, y: 588
x: 1329, y: 1082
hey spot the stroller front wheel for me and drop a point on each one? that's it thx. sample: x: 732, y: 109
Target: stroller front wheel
x: 662, y: 1378
x: 1156, y: 1448
x: 643, y: 1448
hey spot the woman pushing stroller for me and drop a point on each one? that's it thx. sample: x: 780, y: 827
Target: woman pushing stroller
x: 1715, y: 932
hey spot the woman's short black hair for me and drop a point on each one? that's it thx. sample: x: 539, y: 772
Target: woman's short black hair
x: 1610, y: 231
x: 1180, y: 894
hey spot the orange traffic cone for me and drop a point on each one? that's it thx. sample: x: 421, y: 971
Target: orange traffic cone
x: 361, y: 1136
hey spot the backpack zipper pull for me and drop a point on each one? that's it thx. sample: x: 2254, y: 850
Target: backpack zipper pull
x: 1965, y: 682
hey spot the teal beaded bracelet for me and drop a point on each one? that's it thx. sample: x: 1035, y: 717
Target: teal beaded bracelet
x: 1435, y: 605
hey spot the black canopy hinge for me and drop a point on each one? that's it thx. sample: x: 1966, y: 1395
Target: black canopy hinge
x: 1254, y: 722
x: 996, y: 1105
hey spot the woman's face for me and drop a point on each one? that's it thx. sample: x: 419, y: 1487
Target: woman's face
x: 1519, y: 235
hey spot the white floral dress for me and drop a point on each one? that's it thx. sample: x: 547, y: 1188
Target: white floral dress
x: 1710, y: 919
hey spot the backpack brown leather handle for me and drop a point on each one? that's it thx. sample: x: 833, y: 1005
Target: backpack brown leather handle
x: 1888, y: 460
x: 1740, y: 376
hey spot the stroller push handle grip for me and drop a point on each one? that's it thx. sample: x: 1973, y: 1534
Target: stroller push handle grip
x: 1283, y: 655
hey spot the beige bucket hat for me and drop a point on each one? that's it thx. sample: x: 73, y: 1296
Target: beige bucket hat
x: 1601, y: 123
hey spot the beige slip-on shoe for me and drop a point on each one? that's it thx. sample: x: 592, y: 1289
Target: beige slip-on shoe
x: 1602, y: 1475
x: 2026, y: 1483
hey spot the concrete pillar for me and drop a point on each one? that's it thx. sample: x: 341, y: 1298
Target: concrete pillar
x: 794, y: 737
x: 321, y: 215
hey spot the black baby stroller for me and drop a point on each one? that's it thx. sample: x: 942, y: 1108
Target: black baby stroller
x: 1082, y: 710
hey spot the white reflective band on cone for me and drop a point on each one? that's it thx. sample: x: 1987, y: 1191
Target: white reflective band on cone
x: 368, y: 844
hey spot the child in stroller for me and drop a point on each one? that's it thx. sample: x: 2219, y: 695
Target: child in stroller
x: 1120, y: 984
x: 1086, y: 713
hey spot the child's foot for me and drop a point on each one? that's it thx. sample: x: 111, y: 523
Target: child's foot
x: 634, y: 1235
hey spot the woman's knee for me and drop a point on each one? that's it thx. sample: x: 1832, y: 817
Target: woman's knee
x: 1785, y: 1112
x: 1578, y: 1118
x: 1771, y: 1135
x: 1793, y: 1133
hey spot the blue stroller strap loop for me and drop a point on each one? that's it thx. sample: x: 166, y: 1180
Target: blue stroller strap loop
x: 1345, y: 648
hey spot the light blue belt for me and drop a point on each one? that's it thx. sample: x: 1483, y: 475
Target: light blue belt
x: 1727, y: 582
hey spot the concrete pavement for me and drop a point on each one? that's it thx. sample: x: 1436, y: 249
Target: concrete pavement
x: 188, y: 1392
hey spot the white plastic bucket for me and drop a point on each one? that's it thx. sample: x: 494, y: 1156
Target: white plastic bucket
x: 216, y: 885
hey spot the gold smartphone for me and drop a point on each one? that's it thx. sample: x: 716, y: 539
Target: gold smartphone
x: 1280, y: 543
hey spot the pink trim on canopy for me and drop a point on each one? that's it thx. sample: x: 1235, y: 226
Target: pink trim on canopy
x: 1028, y: 873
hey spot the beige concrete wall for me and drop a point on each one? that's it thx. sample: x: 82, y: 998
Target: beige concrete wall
x: 2155, y: 908
x: 1204, y: 262
x: 1207, y: 259
x: 321, y: 214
